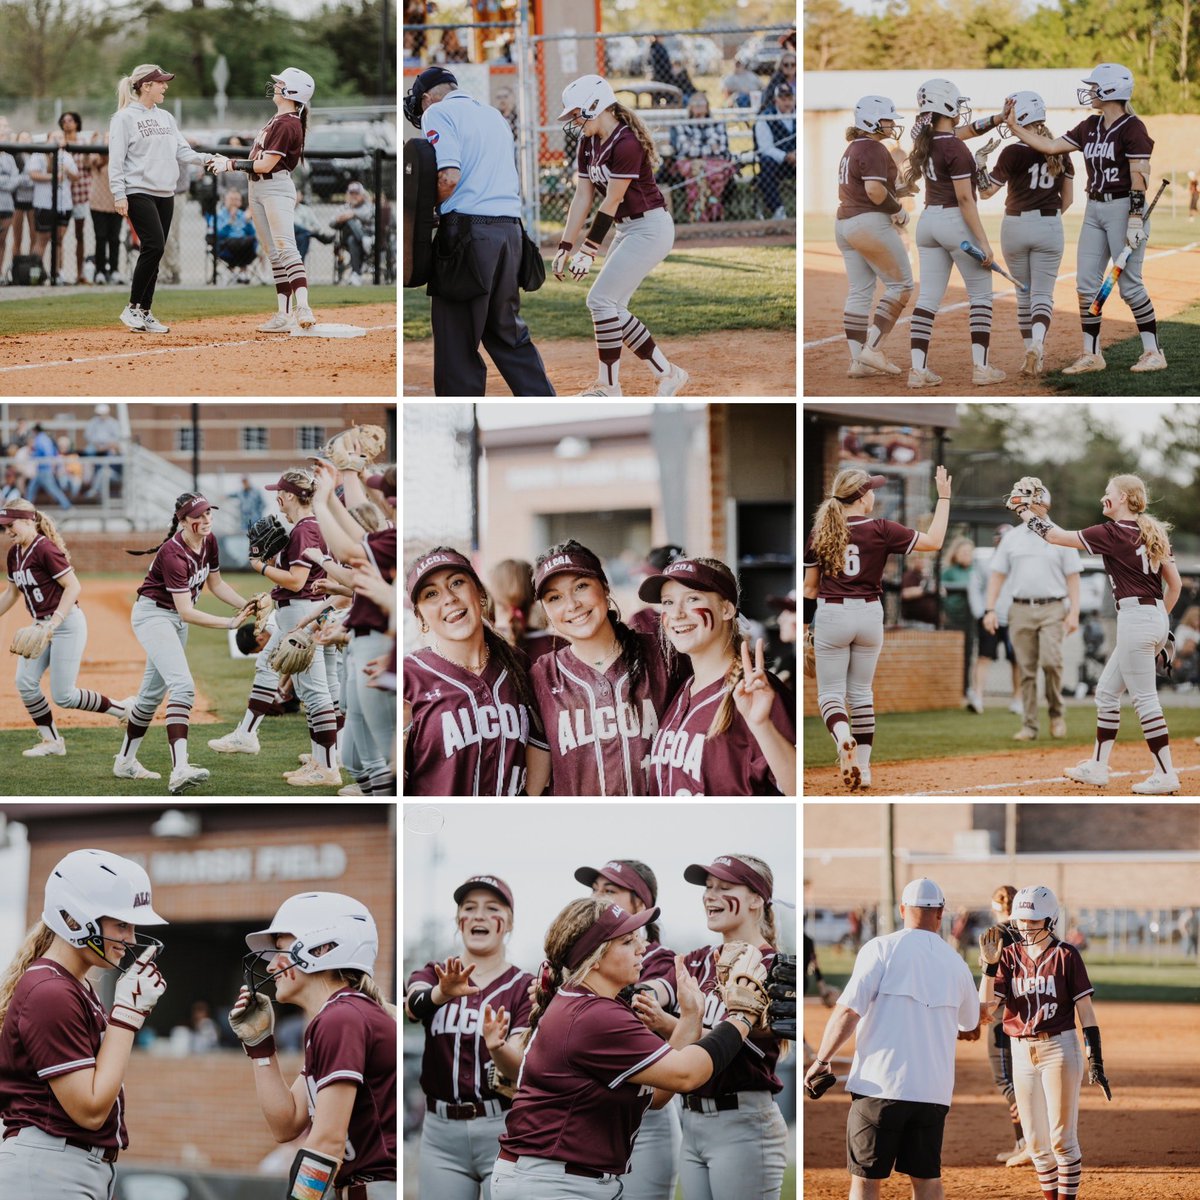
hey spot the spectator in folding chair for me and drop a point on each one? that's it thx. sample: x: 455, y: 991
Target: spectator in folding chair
x: 775, y: 141
x: 355, y: 223
x: 237, y: 243
x: 307, y: 225
x: 702, y: 158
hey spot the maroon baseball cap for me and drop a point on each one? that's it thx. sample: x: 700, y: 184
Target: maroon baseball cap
x: 197, y: 506
x: 378, y: 483
x: 9, y: 515
x: 613, y: 922
x: 689, y: 571
x: 155, y: 76
x: 622, y: 874
x: 491, y: 882
x: 579, y: 561
x: 285, y: 485
x: 437, y: 560
x: 729, y: 870
x: 872, y: 484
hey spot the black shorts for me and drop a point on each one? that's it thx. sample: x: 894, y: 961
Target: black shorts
x: 43, y: 219
x: 901, y: 1135
x: 990, y: 642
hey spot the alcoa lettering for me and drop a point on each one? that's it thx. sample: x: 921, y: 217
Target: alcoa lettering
x: 456, y: 1018
x: 677, y: 748
x: 559, y: 560
x: 463, y: 728
x: 1027, y: 985
x: 609, y: 724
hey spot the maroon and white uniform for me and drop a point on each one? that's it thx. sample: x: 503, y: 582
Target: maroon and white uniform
x: 469, y: 732
x: 620, y: 156
x: 646, y: 620
x: 863, y: 159
x: 54, y: 1026
x: 176, y: 569
x: 871, y: 541
x: 949, y: 159
x: 685, y: 761
x: 36, y: 571
x: 1021, y: 167
x: 658, y: 963
x: 1107, y: 151
x: 575, y: 1103
x: 282, y: 135
x: 353, y: 1040
x: 536, y: 642
x: 305, y: 535
x: 1039, y: 995
x: 1119, y: 543
x: 365, y: 615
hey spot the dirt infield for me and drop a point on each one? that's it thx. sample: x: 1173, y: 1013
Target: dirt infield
x: 186, y: 361
x: 741, y: 363
x: 1142, y: 1144
x: 1171, y: 276
x: 1026, y: 772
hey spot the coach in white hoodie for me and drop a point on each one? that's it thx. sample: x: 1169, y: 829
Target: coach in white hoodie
x: 145, y: 148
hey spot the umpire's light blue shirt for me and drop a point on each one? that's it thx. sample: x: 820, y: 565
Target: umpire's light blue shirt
x: 477, y: 140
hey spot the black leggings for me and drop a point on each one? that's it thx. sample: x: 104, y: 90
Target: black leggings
x: 151, y: 219
x: 107, y: 227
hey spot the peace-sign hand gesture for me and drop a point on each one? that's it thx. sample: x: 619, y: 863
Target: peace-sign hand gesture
x: 454, y: 979
x: 753, y: 693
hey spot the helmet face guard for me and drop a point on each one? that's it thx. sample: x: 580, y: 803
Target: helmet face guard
x: 133, y: 949
x: 256, y: 970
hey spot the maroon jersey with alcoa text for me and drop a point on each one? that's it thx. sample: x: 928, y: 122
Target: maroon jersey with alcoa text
x: 454, y: 1066
x: 54, y: 1026
x: 597, y: 733
x: 863, y: 159
x: 365, y: 615
x: 574, y: 1102
x: 36, y: 571
x: 1108, y: 149
x: 353, y: 1040
x: 685, y: 761
x: 177, y: 568
x: 468, y: 732
x: 620, y: 156
x: 949, y: 159
x: 871, y: 541
x: 1040, y: 994
x: 305, y: 535
x: 282, y: 135
x: 1031, y: 187
x: 753, y: 1070
x: 1126, y: 559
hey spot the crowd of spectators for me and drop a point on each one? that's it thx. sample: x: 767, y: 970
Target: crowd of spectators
x: 70, y: 468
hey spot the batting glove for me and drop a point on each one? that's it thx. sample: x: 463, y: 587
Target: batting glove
x: 138, y: 991
x: 582, y: 259
x: 252, y: 1019
x: 559, y: 265
x: 1135, y: 232
x: 218, y: 164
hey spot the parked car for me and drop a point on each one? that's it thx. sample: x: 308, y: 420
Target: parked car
x: 353, y: 142
x: 761, y: 53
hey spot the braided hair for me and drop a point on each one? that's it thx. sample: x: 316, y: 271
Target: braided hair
x: 725, y: 710
x: 565, y: 930
x: 181, y: 502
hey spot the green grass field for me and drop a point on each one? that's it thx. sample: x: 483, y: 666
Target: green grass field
x: 87, y: 768
x: 98, y: 309
x: 694, y: 291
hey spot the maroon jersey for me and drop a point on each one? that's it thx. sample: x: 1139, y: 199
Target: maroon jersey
x: 36, y: 571
x: 353, y: 1040
x: 536, y: 642
x: 177, y: 568
x: 863, y: 159
x: 54, y: 1026
x: 1040, y: 995
x: 574, y: 1101
x: 871, y: 541
x: 598, y: 734
x: 753, y: 1070
x: 1031, y: 187
x: 1119, y: 543
x: 949, y: 159
x: 646, y: 620
x: 365, y: 615
x: 306, y: 534
x: 685, y: 761
x: 620, y: 156
x: 658, y: 963
x: 283, y: 135
x: 468, y: 733
x: 1108, y: 149
x: 454, y: 1066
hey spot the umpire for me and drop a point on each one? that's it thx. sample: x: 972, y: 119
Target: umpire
x: 910, y: 996
x: 475, y: 289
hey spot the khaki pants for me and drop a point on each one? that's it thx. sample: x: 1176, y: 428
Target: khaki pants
x: 1036, y: 632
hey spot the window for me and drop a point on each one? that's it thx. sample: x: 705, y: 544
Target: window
x: 254, y: 439
x: 311, y: 437
x: 183, y: 439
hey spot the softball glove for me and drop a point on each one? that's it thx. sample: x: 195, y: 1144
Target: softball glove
x: 741, y: 976
x: 781, y: 994
x: 30, y: 641
x: 267, y: 536
x: 260, y: 607
x: 353, y: 449
x: 1026, y: 491
x: 368, y: 516
x: 293, y: 654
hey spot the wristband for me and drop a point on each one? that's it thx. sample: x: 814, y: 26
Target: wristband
x: 1137, y: 202
x: 988, y: 610
x: 990, y: 969
x: 890, y: 205
x: 722, y: 1046
x: 1091, y: 1035
x: 243, y: 164
x: 421, y: 1005
x: 810, y: 611
x: 312, y: 1175
x: 601, y: 224
x: 263, y: 1049
x: 566, y: 245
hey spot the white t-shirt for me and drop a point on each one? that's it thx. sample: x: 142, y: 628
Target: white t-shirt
x: 913, y: 994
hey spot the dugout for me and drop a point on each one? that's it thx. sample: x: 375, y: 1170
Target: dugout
x: 218, y: 872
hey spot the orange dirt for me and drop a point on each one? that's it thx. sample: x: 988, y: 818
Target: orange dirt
x: 186, y: 361
x: 1170, y: 279
x: 740, y: 362
x: 1142, y: 1144
x: 113, y: 660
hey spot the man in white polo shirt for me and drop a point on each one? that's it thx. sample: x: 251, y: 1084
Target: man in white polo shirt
x: 908, y: 1000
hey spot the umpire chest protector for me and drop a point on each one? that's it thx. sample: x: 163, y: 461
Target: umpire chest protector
x: 420, y: 210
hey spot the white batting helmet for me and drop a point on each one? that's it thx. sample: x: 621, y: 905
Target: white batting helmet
x: 871, y: 111
x: 943, y: 99
x: 297, y: 85
x: 1028, y: 107
x: 590, y: 95
x: 1035, y: 904
x: 1109, y: 81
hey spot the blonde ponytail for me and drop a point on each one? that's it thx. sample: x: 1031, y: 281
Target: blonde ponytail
x: 44, y: 524
x: 631, y: 120
x: 831, y: 530
x: 360, y: 981
x: 126, y: 93
x: 37, y: 941
x: 1155, y: 533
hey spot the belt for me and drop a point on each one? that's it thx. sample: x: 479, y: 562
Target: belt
x: 106, y: 1154
x: 1105, y: 197
x: 723, y: 1103
x: 255, y: 177
x: 1031, y: 212
x: 467, y: 1111
x: 352, y: 1191
x: 843, y: 599
x: 568, y: 1168
x: 476, y: 220
x: 1037, y: 1037
x: 1127, y: 601
x: 1048, y: 600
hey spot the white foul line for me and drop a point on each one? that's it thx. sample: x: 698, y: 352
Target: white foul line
x: 74, y: 362
x: 996, y: 787
x: 841, y: 337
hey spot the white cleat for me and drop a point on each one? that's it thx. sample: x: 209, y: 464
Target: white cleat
x: 279, y: 323
x: 864, y: 781
x: 152, y: 324
x: 603, y: 389
x: 351, y: 789
x: 237, y: 742
x: 921, y: 377
x: 1151, y: 360
x: 55, y: 746
x: 1020, y: 1156
x: 1035, y: 362
x: 1089, y: 771
x: 314, y: 776
x: 675, y: 378
x: 304, y: 317
x: 848, y: 764
x: 1157, y: 784
x: 1085, y: 363
x: 875, y: 359
x: 133, y: 318
x: 859, y: 371
x: 132, y: 769
x: 982, y: 376
x: 185, y: 777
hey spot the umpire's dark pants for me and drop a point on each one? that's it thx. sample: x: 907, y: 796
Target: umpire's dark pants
x: 493, y: 318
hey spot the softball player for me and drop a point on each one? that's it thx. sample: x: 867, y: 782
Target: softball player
x: 844, y: 559
x: 276, y: 153
x: 518, y: 620
x: 1040, y: 189
x: 320, y: 952
x: 165, y: 607
x: 869, y: 216
x: 1116, y: 150
x: 600, y: 698
x: 475, y: 1010
x: 1041, y: 983
x: 616, y: 158
x: 591, y: 1068
x: 731, y: 729
x: 62, y: 1057
x: 734, y: 1136
x: 40, y: 573
x: 1146, y: 584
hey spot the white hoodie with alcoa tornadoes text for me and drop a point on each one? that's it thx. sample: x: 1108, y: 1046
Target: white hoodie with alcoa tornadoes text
x: 144, y: 151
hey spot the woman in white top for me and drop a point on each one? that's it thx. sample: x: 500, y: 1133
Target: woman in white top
x: 47, y: 207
